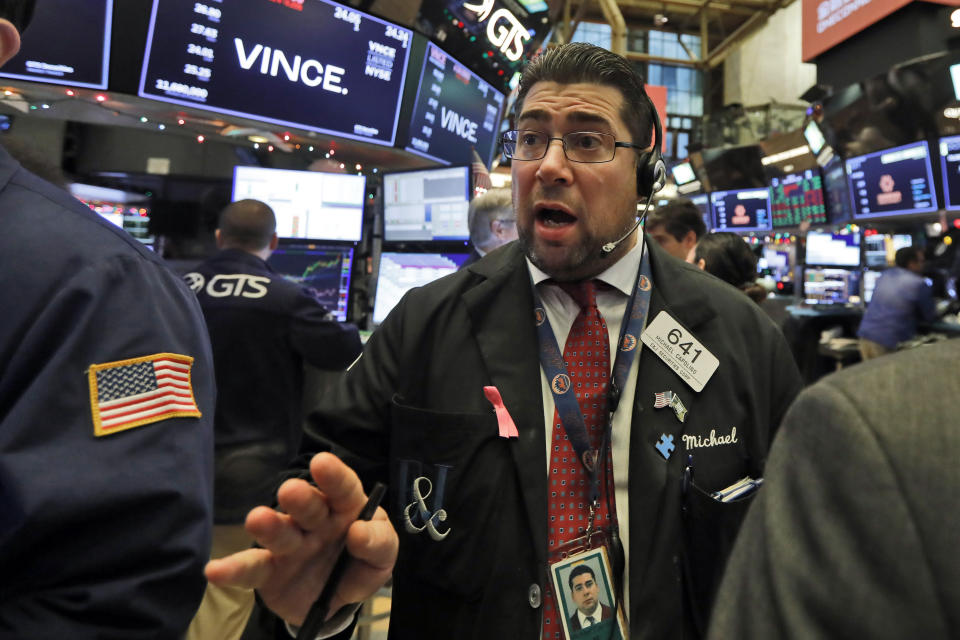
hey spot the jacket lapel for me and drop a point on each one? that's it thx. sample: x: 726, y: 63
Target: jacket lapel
x: 501, y: 312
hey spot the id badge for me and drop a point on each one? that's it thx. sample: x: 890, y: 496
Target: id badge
x: 584, y: 590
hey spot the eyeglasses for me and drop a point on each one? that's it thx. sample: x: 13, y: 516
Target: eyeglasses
x: 578, y: 146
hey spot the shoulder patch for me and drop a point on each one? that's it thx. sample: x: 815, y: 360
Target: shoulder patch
x: 138, y: 391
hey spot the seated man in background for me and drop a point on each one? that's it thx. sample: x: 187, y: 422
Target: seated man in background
x: 900, y: 299
x: 106, y: 420
x: 676, y: 226
x: 855, y: 530
x: 262, y: 329
x: 492, y: 223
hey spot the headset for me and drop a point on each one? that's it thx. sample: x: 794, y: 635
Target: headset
x: 651, y: 171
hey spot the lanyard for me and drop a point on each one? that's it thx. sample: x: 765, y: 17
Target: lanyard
x: 568, y: 409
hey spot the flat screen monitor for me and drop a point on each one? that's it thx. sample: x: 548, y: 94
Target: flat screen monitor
x: 428, y: 204
x: 310, y: 64
x: 702, y: 202
x: 832, y: 249
x: 68, y: 43
x: 775, y: 262
x: 879, y: 249
x: 683, y: 173
x: 742, y: 210
x: 455, y: 110
x: 893, y: 181
x: 814, y: 137
x: 950, y: 166
x: 400, y: 272
x: 870, y: 278
x: 307, y: 204
x: 323, y: 269
x: 830, y: 286
x: 836, y: 192
x: 796, y: 198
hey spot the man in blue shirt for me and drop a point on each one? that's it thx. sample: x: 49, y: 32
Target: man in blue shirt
x: 900, y: 299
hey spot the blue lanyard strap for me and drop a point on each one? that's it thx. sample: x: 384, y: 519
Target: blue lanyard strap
x: 551, y: 359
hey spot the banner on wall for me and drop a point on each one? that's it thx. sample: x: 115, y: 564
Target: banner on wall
x: 659, y: 97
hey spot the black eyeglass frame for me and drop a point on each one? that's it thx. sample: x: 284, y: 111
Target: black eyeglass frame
x: 616, y: 144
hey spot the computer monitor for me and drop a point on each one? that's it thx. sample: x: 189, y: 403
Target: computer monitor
x: 830, y: 286
x: 836, y: 192
x: 796, y: 198
x: 323, y: 269
x: 400, y: 272
x: 879, y: 249
x: 893, y: 181
x: 827, y: 249
x: 741, y: 210
x: 950, y: 166
x: 426, y: 205
x: 683, y: 173
x: 775, y: 262
x: 702, y: 202
x: 870, y: 278
x: 307, y: 204
x: 814, y: 137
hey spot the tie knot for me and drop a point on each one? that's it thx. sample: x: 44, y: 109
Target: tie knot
x: 583, y: 293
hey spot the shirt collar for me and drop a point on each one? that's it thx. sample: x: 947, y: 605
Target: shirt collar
x: 620, y: 275
x: 595, y: 613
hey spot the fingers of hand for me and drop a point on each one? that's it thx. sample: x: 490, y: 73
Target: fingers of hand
x: 339, y: 483
x: 275, y: 531
x: 374, y: 542
x: 305, y: 504
x: 247, y: 569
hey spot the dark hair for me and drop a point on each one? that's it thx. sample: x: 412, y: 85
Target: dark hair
x: 678, y: 217
x: 905, y: 256
x: 18, y: 12
x: 580, y: 570
x: 247, y: 224
x: 582, y: 62
x: 727, y: 256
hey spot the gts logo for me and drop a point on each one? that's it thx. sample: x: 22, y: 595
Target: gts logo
x: 310, y: 72
x: 223, y: 286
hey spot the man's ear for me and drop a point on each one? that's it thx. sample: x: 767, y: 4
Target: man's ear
x: 274, y: 241
x: 9, y: 41
x: 216, y: 235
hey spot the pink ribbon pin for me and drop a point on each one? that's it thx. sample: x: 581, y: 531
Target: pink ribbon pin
x: 507, y: 427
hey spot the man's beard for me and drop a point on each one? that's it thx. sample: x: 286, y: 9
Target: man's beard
x: 582, y: 261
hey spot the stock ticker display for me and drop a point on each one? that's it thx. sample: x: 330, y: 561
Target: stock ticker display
x: 893, y: 181
x: 455, y: 110
x: 323, y: 269
x: 311, y: 64
x: 797, y: 197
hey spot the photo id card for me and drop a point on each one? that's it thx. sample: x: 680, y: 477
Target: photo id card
x: 586, y: 598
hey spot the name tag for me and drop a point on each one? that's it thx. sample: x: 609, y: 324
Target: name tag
x: 683, y: 353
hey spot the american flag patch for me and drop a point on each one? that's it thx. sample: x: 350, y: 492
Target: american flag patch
x: 662, y: 399
x: 135, y: 392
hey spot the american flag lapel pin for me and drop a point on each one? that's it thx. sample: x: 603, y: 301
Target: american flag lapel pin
x: 138, y: 391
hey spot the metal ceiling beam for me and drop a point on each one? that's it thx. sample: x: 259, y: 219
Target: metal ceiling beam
x: 646, y: 57
x: 722, y: 50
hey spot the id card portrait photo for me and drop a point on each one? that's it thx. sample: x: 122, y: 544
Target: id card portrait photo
x: 586, y: 598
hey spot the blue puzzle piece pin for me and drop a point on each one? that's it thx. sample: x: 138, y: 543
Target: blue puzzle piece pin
x: 665, y: 446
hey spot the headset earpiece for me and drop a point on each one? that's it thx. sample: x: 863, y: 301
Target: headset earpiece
x: 651, y: 171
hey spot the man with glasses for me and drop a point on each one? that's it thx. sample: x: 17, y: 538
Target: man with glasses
x: 504, y: 455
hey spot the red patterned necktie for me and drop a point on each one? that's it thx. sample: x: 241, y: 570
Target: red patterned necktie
x: 587, y: 358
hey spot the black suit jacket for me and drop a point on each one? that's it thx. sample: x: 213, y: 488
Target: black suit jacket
x: 413, y: 407
x: 605, y: 614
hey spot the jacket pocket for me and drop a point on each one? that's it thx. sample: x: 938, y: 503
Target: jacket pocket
x: 448, y: 478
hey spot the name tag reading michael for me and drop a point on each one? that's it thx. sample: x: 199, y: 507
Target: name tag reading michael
x: 680, y: 350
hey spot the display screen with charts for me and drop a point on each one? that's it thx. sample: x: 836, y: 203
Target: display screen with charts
x: 400, y: 272
x: 323, y: 269
x: 425, y: 205
x: 741, y: 210
x: 796, y: 198
x: 893, y: 181
x: 307, y: 204
x: 830, y: 286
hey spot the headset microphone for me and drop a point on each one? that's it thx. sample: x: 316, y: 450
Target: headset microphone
x: 608, y: 248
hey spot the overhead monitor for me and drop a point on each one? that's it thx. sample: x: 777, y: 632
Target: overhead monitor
x: 742, y: 210
x: 426, y: 205
x: 814, y: 137
x: 400, y: 272
x: 836, y: 191
x: 307, y: 204
x: 824, y: 248
x: 830, y: 286
x: 323, y: 269
x: 702, y: 202
x: 950, y: 166
x: 893, y: 181
x: 683, y: 173
x: 879, y: 249
x: 309, y: 64
x: 455, y: 110
x: 796, y: 198
x: 68, y: 43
